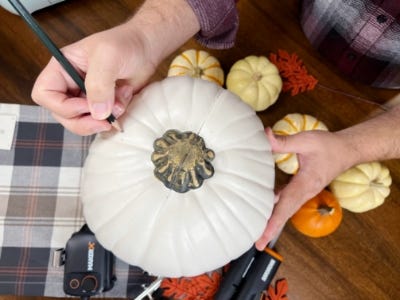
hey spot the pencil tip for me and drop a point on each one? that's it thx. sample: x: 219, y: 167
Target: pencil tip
x: 116, y: 125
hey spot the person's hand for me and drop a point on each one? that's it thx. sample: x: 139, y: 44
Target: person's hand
x: 322, y: 156
x: 114, y: 64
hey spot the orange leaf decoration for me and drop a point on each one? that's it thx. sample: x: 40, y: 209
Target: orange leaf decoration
x: 294, y: 74
x: 202, y: 287
x: 277, y: 293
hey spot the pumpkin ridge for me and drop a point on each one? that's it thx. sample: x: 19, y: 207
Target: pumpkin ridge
x: 181, y: 73
x: 316, y: 124
x: 207, y: 56
x: 272, y: 90
x: 119, y: 187
x: 217, y: 99
x: 123, y: 207
x: 246, y: 195
x: 267, y: 90
x: 240, y: 143
x: 168, y: 104
x: 106, y: 223
x: 180, y: 223
x: 211, y: 225
x: 154, y: 117
x: 283, y: 157
x: 240, y: 147
x: 239, y: 221
x: 214, y: 65
x: 238, y: 140
x: 153, y: 226
x: 188, y: 60
x: 304, y: 125
x: 258, y: 98
x: 243, y: 179
x: 254, y: 158
x: 213, y: 78
x: 291, y: 123
x: 140, y: 147
x: 180, y: 67
x: 197, y: 53
x: 281, y: 132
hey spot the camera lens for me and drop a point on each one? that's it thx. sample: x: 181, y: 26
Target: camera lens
x: 89, y: 283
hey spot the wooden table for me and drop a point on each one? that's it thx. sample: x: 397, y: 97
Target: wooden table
x: 361, y: 260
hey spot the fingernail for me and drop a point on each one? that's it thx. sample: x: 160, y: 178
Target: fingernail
x: 100, y: 110
x: 127, y: 94
x: 260, y: 246
x: 118, y: 110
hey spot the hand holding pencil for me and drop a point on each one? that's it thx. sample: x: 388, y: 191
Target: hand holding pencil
x: 88, y: 84
x: 113, y: 68
x: 108, y: 61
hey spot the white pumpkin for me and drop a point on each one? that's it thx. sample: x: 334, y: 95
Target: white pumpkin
x: 168, y: 233
x: 256, y: 81
x: 198, y: 64
x: 292, y: 124
x: 363, y: 187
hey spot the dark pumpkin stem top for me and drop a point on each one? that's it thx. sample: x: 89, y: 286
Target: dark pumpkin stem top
x: 325, y: 210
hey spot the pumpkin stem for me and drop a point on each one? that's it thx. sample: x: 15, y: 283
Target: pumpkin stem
x: 182, y: 161
x: 197, y: 72
x: 326, y: 210
x: 257, y: 76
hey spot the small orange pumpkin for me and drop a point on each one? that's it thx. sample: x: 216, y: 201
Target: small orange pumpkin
x: 319, y: 216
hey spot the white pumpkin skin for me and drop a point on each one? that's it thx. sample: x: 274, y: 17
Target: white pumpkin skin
x: 256, y: 81
x: 363, y: 187
x: 292, y: 124
x: 175, y: 234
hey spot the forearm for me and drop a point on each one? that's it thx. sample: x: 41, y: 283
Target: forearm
x: 376, y: 139
x: 164, y: 25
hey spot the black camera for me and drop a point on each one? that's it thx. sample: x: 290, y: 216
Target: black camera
x: 88, y: 267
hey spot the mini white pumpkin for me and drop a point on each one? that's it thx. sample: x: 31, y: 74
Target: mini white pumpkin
x: 292, y: 124
x: 198, y: 64
x: 256, y: 81
x: 363, y: 187
x: 168, y: 233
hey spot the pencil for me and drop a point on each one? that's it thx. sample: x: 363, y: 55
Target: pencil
x: 27, y: 17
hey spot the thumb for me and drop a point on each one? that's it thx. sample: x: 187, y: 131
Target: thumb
x: 282, y: 143
x: 290, y: 199
x: 100, y: 81
x: 272, y: 229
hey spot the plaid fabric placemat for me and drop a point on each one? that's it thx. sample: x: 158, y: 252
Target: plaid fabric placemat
x: 40, y: 208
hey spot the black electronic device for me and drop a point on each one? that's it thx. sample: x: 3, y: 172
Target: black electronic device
x: 88, y: 267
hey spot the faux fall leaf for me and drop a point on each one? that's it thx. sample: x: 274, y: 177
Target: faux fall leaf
x: 294, y: 74
x: 278, y: 292
x: 202, y: 287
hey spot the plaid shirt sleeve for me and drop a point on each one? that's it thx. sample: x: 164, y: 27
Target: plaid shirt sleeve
x: 40, y: 207
x: 219, y: 22
x: 360, y: 38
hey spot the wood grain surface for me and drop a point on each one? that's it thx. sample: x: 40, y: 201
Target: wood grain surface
x: 361, y: 260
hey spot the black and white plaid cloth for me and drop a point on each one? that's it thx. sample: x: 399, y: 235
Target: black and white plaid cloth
x: 40, y: 207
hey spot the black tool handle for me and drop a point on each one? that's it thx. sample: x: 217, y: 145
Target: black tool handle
x: 235, y: 274
x: 259, y: 275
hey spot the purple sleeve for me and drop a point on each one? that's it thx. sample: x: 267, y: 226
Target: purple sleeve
x: 219, y: 22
